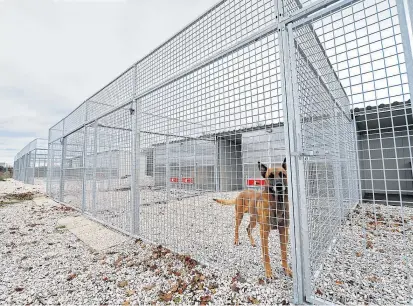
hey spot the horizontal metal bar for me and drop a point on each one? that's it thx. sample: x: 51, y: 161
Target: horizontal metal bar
x: 308, y: 15
x: 93, y: 120
x: 177, y: 136
x: 114, y: 128
x: 308, y: 10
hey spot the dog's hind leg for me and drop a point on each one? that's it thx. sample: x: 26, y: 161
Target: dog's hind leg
x: 239, y: 213
x: 251, y: 226
x: 284, y: 242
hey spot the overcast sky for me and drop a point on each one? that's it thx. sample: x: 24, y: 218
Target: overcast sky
x: 55, y: 54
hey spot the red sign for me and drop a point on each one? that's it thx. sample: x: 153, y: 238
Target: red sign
x: 255, y: 182
x: 187, y: 180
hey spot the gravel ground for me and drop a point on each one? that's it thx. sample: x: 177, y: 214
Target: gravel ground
x: 372, y: 263
x: 43, y: 264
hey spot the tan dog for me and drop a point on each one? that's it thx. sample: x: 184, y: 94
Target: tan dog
x: 270, y: 208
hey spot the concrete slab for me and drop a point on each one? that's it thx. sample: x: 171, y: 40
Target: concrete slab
x: 74, y: 222
x: 44, y: 201
x: 93, y: 234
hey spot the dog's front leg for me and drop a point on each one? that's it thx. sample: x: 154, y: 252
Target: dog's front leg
x: 284, y: 242
x: 264, y: 233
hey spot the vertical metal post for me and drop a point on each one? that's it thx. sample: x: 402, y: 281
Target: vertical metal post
x: 135, y: 166
x: 95, y: 157
x: 84, y: 160
x: 180, y: 185
x: 295, y: 161
x: 167, y: 169
x: 34, y: 164
x: 405, y: 12
x: 300, y: 192
x: 50, y: 168
x: 26, y: 157
x: 20, y: 169
x: 62, y: 164
x: 288, y: 110
x: 194, y: 186
x: 338, y: 176
x: 216, y: 165
x: 135, y: 156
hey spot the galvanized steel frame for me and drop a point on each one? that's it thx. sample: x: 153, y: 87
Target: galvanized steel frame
x: 284, y: 25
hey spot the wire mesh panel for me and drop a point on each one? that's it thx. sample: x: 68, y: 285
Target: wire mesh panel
x: 112, y: 169
x: 40, y: 171
x: 30, y: 160
x: 218, y: 29
x: 117, y: 92
x: 202, y: 138
x: 31, y: 163
x: 89, y: 179
x: 72, y: 176
x: 359, y: 241
x: 54, y: 169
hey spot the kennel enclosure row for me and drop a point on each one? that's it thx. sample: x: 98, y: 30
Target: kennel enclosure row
x: 30, y: 164
x: 324, y: 83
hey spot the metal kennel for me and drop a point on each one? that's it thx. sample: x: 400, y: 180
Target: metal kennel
x: 257, y: 81
x: 30, y: 164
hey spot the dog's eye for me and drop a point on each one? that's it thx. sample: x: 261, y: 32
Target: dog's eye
x: 271, y: 175
x: 281, y: 174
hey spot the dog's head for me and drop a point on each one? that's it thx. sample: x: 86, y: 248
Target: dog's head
x: 276, y: 178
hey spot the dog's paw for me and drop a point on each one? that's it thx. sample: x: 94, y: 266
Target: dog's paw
x: 237, y: 242
x: 269, y: 277
x: 288, y: 272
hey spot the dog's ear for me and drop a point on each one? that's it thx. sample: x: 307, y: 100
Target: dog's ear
x: 263, y: 169
x: 284, y: 165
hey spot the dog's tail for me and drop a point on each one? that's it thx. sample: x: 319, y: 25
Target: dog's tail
x: 226, y: 202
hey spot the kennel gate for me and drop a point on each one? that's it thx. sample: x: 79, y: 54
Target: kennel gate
x: 253, y: 80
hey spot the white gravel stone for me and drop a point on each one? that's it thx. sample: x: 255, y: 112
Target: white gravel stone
x: 44, y: 264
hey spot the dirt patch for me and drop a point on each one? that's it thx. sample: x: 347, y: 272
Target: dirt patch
x: 11, y: 198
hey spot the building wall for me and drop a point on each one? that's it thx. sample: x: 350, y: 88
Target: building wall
x: 265, y: 146
x: 229, y: 165
x: 193, y: 159
x: 383, y: 160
